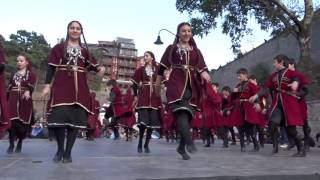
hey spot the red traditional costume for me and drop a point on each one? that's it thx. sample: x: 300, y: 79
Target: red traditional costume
x: 4, y: 114
x: 211, y: 107
x: 144, y: 78
x: 70, y: 92
x: 118, y: 106
x: 282, y: 93
x: 197, y: 120
x: 168, y: 121
x: 229, y: 118
x: 94, y: 123
x: 245, y: 110
x: 128, y: 100
x: 146, y: 93
x: 21, y: 109
x: 69, y: 86
x: 186, y: 68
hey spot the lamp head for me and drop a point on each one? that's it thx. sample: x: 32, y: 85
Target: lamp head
x: 158, y: 41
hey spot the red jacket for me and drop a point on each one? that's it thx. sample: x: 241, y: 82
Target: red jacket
x: 281, y: 91
x: 244, y: 109
x: 4, y: 114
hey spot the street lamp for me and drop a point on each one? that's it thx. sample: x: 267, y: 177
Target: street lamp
x: 158, y: 41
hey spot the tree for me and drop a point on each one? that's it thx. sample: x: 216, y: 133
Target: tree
x: 291, y: 16
x: 30, y: 43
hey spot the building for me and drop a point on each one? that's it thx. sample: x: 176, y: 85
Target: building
x: 119, y: 57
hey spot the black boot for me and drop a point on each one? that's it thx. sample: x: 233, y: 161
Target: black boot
x: 225, y: 142
x: 191, y: 148
x: 242, y: 144
x: 58, y: 156
x: 71, y: 138
x: 182, y: 150
x: 255, y: 144
x: 59, y: 136
x: 139, y: 148
x: 10, y: 149
x: 183, y: 121
x: 116, y: 133
x: 306, y: 132
x: 141, y: 134
x: 301, y: 152
x: 306, y: 143
x: 261, y: 137
x: 19, y: 146
x: 67, y: 158
x: 275, y: 145
x: 146, y: 144
x: 207, y: 137
x: 11, y: 142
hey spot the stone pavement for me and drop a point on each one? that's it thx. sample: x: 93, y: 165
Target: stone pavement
x: 117, y: 160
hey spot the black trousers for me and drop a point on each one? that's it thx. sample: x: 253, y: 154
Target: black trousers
x: 277, y: 119
x: 183, y: 119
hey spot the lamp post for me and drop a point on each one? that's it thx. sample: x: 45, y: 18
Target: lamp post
x: 158, y: 41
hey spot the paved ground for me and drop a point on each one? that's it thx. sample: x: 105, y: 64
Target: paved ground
x: 118, y: 160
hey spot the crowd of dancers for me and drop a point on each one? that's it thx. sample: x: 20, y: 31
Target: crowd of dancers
x: 175, y: 97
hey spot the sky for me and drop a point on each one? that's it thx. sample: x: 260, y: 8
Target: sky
x: 107, y: 19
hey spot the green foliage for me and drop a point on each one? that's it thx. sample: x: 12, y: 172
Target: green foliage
x: 269, y: 14
x: 30, y: 43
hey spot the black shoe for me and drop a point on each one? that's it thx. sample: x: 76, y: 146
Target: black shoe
x: 10, y: 149
x: 262, y: 145
x: 207, y: 145
x: 184, y: 154
x: 299, y: 154
x: 58, y: 157
x: 139, y: 149
x: 225, y: 146
x: 307, y: 147
x: 233, y: 143
x: 255, y: 149
x: 275, y: 150
x: 243, y: 149
x: 67, y: 160
x: 116, y: 138
x: 18, y: 149
x: 191, y: 148
x: 146, y: 149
